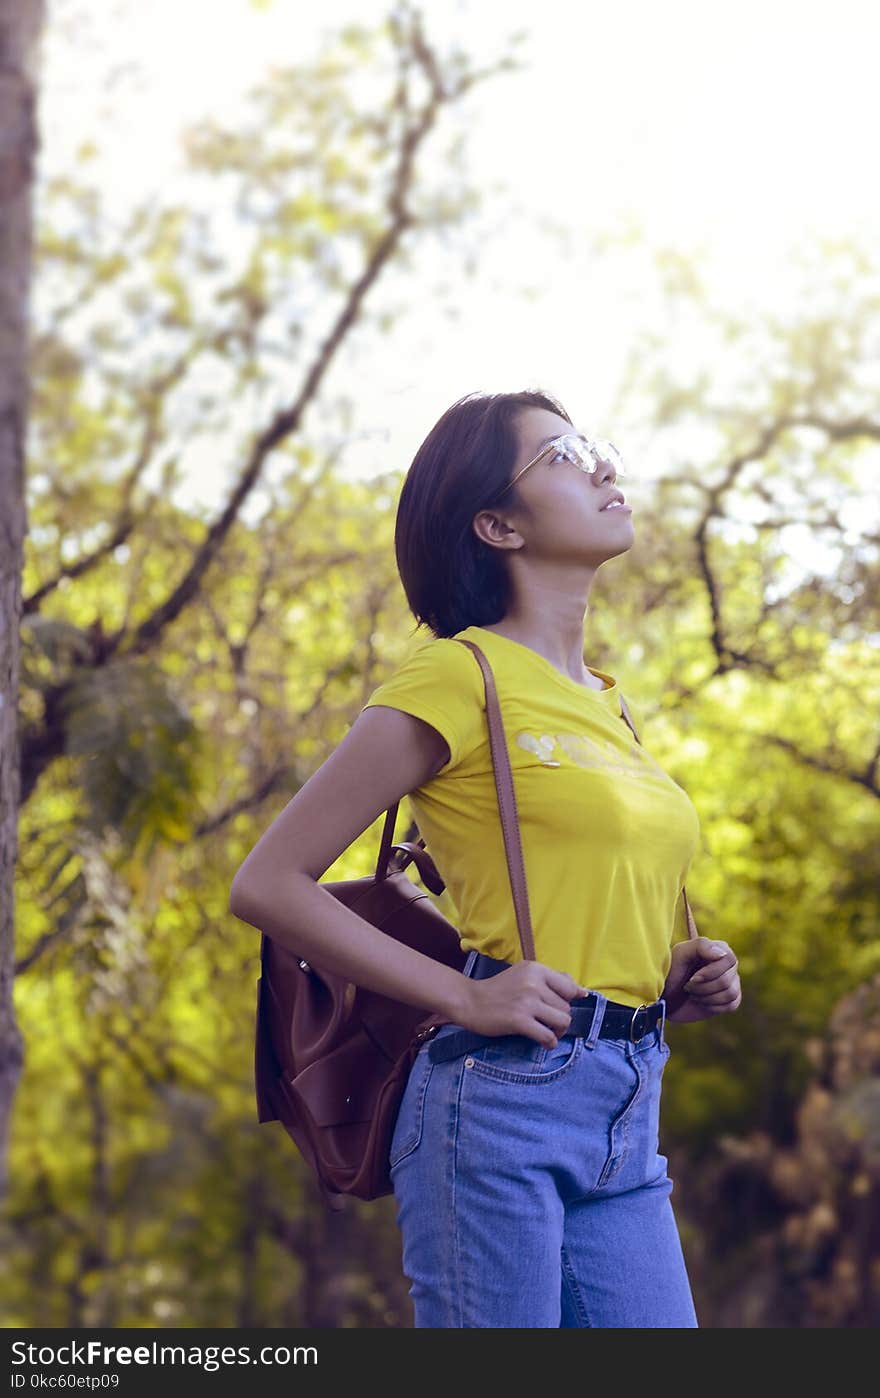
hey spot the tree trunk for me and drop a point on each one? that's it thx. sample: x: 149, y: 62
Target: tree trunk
x: 21, y: 23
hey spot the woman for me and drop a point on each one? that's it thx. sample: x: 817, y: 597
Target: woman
x: 525, y: 1165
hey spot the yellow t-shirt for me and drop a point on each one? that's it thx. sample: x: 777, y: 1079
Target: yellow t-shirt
x: 607, y: 835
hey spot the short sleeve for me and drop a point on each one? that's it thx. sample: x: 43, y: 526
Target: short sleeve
x: 440, y: 682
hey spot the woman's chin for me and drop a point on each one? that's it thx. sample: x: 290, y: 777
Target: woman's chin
x: 623, y: 547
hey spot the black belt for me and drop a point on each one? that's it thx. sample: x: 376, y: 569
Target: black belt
x: 618, y: 1022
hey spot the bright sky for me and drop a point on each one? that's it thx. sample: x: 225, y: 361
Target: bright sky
x: 743, y: 127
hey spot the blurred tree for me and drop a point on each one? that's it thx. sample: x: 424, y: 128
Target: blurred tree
x: 164, y: 701
x: 812, y: 1255
x: 20, y: 32
x: 748, y: 617
x: 767, y: 554
x: 326, y: 176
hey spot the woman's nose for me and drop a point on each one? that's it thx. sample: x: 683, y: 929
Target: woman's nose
x: 603, y: 472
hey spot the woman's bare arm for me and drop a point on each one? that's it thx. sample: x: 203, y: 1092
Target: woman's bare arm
x: 385, y: 754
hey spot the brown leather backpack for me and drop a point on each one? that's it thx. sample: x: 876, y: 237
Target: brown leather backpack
x: 332, y: 1058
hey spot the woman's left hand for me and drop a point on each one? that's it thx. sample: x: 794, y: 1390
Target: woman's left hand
x: 703, y: 981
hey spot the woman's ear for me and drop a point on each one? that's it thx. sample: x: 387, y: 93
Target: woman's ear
x: 492, y: 528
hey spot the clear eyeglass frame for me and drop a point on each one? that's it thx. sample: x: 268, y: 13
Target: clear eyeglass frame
x: 584, y: 452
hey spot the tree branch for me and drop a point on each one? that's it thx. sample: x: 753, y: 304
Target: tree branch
x: 125, y: 519
x: 288, y: 420
x: 284, y: 776
x: 866, y: 778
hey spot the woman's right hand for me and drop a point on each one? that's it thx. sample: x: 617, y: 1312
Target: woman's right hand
x: 527, y: 998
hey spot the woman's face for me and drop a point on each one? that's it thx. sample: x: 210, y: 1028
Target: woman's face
x: 564, y: 516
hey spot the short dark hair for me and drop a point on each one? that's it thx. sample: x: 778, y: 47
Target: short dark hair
x: 452, y: 579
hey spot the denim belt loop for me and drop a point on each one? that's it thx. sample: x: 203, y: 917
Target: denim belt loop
x: 662, y: 1025
x: 596, y: 1022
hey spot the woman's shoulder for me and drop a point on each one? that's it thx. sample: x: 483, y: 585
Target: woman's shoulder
x: 438, y: 659
x: 440, y: 682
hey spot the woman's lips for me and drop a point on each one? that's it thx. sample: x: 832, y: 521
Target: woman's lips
x: 616, y: 510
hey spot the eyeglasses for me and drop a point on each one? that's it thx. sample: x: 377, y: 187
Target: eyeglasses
x: 584, y: 452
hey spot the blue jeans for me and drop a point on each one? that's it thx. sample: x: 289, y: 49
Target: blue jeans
x: 529, y: 1187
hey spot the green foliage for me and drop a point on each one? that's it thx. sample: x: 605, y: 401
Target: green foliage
x: 137, y: 751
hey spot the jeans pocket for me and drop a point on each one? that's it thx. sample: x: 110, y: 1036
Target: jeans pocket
x: 517, y: 1058
x: 408, y: 1126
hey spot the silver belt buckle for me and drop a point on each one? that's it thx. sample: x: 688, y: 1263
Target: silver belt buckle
x: 632, y: 1023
